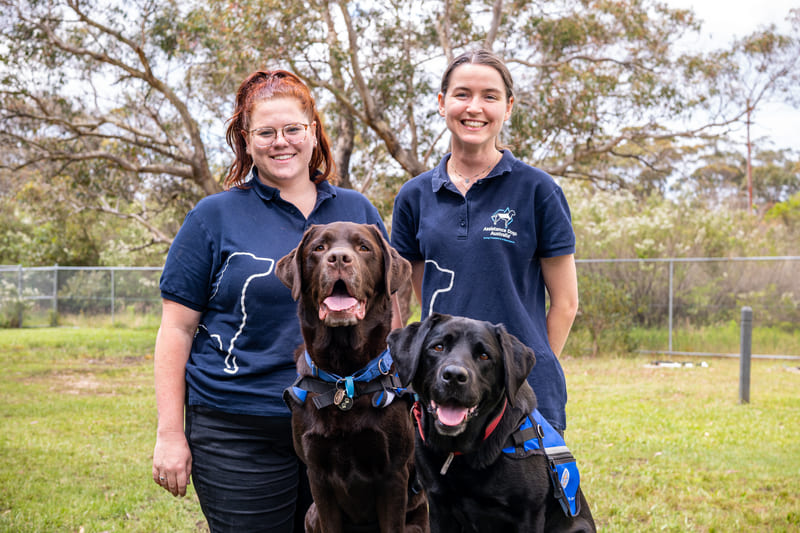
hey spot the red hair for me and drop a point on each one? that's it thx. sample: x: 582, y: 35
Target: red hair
x: 263, y: 85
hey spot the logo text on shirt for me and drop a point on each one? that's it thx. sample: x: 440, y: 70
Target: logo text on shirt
x: 501, y: 220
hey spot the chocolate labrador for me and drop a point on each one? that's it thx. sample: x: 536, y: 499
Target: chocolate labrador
x: 349, y: 414
x: 487, y: 459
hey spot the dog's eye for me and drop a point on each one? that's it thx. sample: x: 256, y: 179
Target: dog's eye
x: 438, y: 348
x: 363, y: 248
x: 484, y: 356
x: 319, y: 248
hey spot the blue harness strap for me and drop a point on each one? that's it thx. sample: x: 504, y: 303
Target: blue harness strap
x: 377, y: 367
x: 332, y: 388
x: 536, y: 436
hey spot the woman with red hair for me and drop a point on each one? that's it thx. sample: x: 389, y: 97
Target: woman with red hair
x: 229, y: 327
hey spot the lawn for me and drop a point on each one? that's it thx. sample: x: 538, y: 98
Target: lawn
x: 660, y: 449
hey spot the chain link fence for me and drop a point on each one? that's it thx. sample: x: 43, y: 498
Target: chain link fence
x: 696, y: 302
x: 665, y: 298
x: 57, y: 295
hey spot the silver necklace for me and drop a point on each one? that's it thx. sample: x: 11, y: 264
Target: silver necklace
x: 467, y: 179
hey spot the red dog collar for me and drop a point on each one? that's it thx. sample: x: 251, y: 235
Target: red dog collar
x: 417, y: 411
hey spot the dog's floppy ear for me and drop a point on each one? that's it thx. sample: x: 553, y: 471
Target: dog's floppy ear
x: 518, y: 360
x: 399, y: 270
x: 396, y: 269
x: 290, y: 267
x: 406, y: 344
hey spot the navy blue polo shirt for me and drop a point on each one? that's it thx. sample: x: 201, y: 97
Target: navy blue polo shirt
x: 482, y: 255
x: 222, y: 263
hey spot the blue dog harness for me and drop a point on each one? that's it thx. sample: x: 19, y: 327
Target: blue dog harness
x: 375, y: 378
x: 536, y: 436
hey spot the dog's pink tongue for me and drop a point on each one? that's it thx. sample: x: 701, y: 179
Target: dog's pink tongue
x: 340, y: 303
x: 451, y: 416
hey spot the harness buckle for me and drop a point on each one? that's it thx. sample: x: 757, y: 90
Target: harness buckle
x: 387, y: 369
x: 347, y: 385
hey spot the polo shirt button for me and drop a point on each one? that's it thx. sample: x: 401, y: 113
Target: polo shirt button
x: 463, y: 223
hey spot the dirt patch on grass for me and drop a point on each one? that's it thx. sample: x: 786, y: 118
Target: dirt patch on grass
x: 80, y: 383
x: 97, y: 377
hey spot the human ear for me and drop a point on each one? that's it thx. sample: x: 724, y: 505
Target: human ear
x: 246, y: 142
x: 508, y: 108
x: 313, y: 128
x: 441, y: 104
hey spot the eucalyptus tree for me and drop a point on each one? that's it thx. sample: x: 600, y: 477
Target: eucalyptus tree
x: 94, y: 99
x: 127, y: 101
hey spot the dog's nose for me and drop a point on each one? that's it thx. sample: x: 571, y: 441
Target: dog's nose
x: 339, y: 256
x: 455, y: 374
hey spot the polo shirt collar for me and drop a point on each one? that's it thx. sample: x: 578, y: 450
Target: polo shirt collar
x: 324, y: 190
x: 440, y: 178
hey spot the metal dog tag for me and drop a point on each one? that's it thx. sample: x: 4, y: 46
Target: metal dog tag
x: 337, y: 398
x: 345, y: 404
x: 446, y: 464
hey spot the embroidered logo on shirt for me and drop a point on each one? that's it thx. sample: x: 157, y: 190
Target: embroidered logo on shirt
x: 506, y: 216
x: 501, y: 220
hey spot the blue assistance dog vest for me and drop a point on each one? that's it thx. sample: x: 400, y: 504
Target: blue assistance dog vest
x: 341, y: 391
x: 536, y: 436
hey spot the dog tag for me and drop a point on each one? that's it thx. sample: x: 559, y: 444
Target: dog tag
x: 446, y: 464
x: 345, y: 404
x: 337, y: 398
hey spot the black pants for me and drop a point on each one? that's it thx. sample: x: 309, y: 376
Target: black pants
x: 245, y: 472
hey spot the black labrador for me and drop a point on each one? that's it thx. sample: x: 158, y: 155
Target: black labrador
x: 479, y: 450
x: 349, y: 418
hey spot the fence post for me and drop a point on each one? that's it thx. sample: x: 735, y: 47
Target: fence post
x: 744, y: 354
x: 671, y: 274
x: 113, y: 291
x: 54, y: 318
x: 20, y: 296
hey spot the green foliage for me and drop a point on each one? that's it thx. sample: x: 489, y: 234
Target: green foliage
x: 605, y: 313
x: 12, y: 305
x: 721, y: 178
x: 618, y: 296
x: 35, y: 231
x: 787, y: 214
x: 615, y: 224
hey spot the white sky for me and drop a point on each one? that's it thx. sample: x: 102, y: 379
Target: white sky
x: 724, y: 20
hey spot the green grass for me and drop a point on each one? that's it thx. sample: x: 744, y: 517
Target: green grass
x: 659, y: 449
x: 722, y: 338
x: 672, y: 449
x: 77, y: 429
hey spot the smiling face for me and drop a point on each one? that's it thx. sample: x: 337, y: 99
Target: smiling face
x: 283, y: 162
x: 462, y: 371
x: 345, y: 262
x: 475, y: 105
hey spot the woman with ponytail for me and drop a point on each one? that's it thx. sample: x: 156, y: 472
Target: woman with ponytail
x: 229, y: 328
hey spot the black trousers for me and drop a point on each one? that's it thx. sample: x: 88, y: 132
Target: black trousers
x: 246, y: 473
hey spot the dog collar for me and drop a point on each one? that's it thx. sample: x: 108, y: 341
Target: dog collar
x: 417, y: 411
x: 379, y: 366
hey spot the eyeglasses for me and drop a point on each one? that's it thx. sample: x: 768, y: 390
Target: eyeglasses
x: 266, y: 137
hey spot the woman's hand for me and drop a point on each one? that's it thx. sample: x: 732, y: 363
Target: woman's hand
x: 172, y: 462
